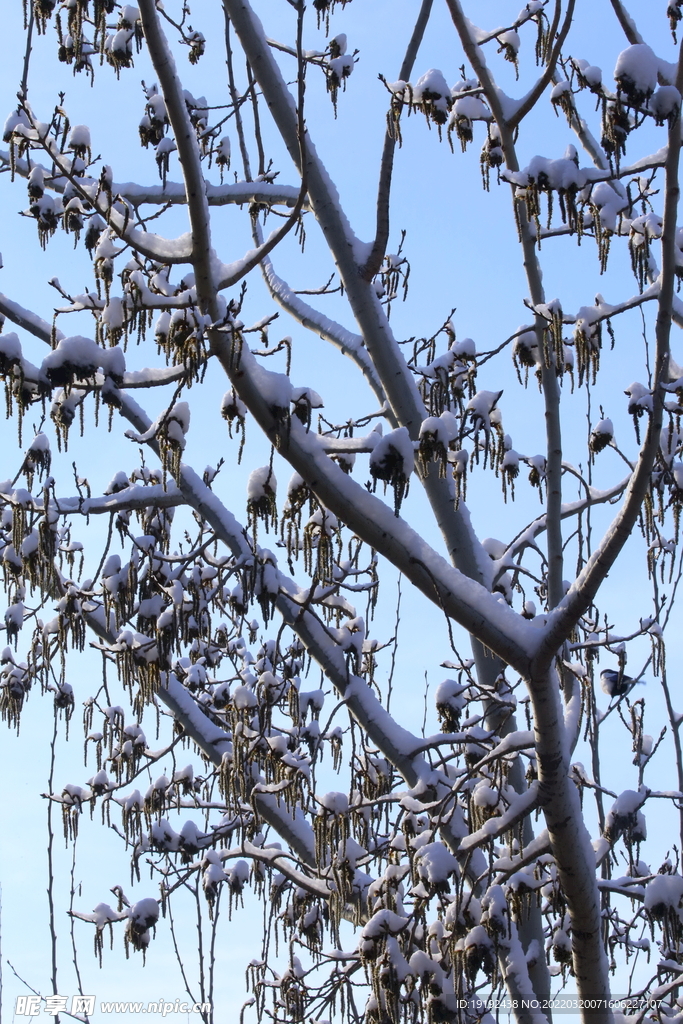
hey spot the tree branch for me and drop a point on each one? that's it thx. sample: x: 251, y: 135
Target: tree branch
x: 188, y: 153
x: 526, y: 537
x: 173, y: 193
x: 627, y: 23
x: 584, y: 589
x: 404, y: 399
x: 379, y: 246
x: 536, y: 92
x: 349, y: 344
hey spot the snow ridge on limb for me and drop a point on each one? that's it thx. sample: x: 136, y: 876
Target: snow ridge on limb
x: 176, y: 250
x: 496, y: 827
x: 263, y: 192
x: 627, y: 23
x: 27, y: 320
x: 349, y: 344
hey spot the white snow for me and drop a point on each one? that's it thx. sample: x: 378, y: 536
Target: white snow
x: 336, y: 803
x: 636, y: 71
x: 394, y: 446
x: 435, y: 863
x: 665, y: 892
x: 82, y: 357
x: 79, y: 137
x: 665, y: 101
x: 261, y: 483
x: 432, y: 86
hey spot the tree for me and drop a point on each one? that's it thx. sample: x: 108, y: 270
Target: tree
x: 451, y: 867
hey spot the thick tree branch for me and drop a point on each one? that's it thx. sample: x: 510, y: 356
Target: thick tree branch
x: 570, y: 842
